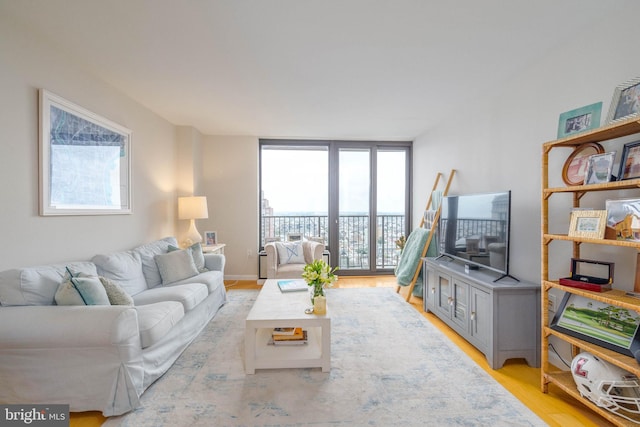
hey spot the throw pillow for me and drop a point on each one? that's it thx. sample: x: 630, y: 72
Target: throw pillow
x: 176, y: 265
x: 290, y: 253
x: 115, y: 293
x: 196, y: 252
x: 81, y: 290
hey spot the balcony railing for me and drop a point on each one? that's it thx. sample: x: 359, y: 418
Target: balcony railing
x: 353, y: 232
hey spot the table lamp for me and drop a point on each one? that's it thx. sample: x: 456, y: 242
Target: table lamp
x: 192, y: 208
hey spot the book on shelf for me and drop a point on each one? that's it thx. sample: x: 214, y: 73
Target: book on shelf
x: 292, y: 285
x: 298, y: 341
x: 296, y: 334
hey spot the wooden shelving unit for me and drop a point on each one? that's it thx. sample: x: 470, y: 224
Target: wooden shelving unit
x: 563, y: 379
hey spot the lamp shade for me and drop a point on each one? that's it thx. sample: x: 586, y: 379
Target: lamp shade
x: 194, y: 207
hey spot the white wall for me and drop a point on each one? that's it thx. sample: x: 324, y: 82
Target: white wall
x: 495, y: 143
x: 230, y: 182
x: 28, y: 63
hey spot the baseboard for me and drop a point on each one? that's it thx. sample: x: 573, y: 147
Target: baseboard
x: 240, y: 277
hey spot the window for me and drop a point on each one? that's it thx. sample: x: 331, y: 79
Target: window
x: 352, y: 195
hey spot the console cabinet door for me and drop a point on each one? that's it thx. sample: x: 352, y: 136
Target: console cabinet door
x: 460, y: 307
x: 480, y: 316
x: 444, y: 295
x: 429, y: 288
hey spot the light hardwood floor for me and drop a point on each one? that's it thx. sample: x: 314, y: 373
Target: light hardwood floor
x: 555, y: 408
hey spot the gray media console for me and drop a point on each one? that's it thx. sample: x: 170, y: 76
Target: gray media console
x: 500, y: 318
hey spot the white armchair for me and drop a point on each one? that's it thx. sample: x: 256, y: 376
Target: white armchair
x: 287, y: 260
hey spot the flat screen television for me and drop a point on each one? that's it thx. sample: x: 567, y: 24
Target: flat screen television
x: 474, y: 229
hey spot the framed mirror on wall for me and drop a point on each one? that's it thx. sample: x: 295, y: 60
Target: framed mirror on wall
x: 85, y: 161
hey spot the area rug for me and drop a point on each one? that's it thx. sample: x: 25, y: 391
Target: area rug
x: 389, y: 367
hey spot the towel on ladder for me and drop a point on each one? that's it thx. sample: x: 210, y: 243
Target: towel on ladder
x: 410, y: 258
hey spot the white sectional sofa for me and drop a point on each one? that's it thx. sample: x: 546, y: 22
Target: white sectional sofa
x: 103, y: 357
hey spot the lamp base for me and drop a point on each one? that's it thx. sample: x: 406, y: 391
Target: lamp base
x: 192, y: 234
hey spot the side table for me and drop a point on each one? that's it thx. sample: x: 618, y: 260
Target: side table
x: 218, y: 248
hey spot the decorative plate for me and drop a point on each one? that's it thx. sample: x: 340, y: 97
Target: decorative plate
x: 575, y: 167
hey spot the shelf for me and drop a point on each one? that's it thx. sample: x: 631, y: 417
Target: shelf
x: 626, y: 362
x: 607, y: 186
x: 609, y: 242
x: 615, y: 296
x: 603, y: 133
x: 564, y: 380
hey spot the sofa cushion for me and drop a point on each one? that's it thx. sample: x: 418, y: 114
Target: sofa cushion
x: 115, y: 293
x: 155, y: 320
x: 290, y: 253
x: 176, y: 265
x: 212, y: 279
x: 189, y: 295
x: 196, y: 252
x: 124, y: 268
x: 37, y: 285
x: 147, y: 257
x: 81, y: 290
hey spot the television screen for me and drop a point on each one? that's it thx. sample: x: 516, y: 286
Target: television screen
x: 474, y: 228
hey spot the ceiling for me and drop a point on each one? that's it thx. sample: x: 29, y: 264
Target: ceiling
x: 344, y: 69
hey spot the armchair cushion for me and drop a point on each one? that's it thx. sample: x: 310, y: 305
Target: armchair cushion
x: 276, y: 269
x: 290, y: 253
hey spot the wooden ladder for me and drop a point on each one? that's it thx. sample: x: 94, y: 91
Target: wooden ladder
x: 432, y: 231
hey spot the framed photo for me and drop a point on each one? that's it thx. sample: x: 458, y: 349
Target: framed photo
x: 294, y: 237
x: 630, y: 161
x: 575, y: 167
x: 625, y: 102
x: 579, y: 120
x: 599, y: 167
x: 210, y: 238
x: 588, y: 223
x: 623, y: 217
x: 271, y: 240
x: 85, y: 161
x: 600, y: 323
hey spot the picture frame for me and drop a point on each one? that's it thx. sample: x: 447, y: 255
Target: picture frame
x: 575, y: 167
x: 588, y: 223
x: 599, y: 323
x: 84, y: 160
x: 630, y: 161
x: 210, y: 238
x: 623, y: 219
x: 599, y: 168
x: 626, y: 101
x: 294, y: 237
x: 271, y: 240
x: 579, y: 120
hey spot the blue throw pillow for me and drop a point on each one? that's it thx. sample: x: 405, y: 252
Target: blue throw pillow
x: 81, y: 290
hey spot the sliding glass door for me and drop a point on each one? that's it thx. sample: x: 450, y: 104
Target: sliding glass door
x: 352, y: 195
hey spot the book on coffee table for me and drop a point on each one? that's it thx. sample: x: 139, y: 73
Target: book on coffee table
x: 296, y: 341
x: 296, y: 334
x: 292, y: 285
x: 283, y: 331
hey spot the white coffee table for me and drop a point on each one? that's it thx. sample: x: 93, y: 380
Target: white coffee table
x: 274, y: 309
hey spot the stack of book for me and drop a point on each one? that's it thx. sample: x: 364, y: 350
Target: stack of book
x: 288, y: 336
